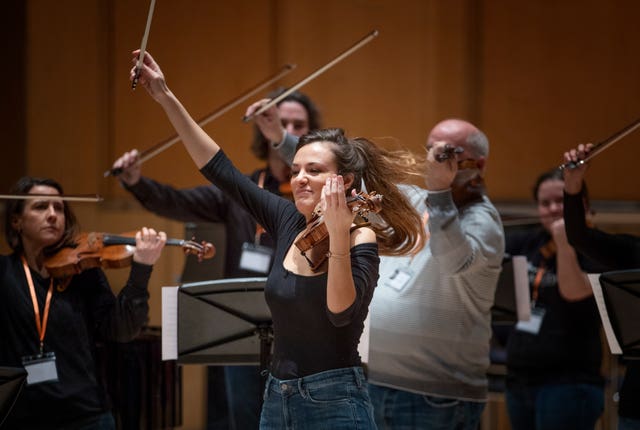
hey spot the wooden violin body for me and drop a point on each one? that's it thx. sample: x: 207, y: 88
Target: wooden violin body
x: 108, y: 252
x: 314, y: 241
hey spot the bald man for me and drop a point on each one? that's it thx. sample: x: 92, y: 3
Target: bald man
x: 431, y: 313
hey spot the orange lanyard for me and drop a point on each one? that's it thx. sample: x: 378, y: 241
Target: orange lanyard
x: 536, y: 282
x: 547, y: 251
x: 40, y: 326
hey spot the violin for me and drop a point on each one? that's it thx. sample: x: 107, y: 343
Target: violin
x: 314, y: 241
x: 109, y: 251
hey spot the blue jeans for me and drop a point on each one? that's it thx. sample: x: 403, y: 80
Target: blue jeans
x: 244, y: 388
x: 403, y: 410
x: 554, y: 406
x: 335, y: 399
x: 628, y: 423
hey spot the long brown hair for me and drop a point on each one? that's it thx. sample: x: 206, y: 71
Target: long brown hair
x: 400, y: 228
x: 16, y: 207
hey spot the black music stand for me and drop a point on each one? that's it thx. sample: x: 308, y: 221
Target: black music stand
x: 224, y: 322
x: 12, y: 379
x: 621, y: 292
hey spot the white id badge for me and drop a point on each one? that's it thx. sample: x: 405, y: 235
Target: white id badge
x: 399, y: 279
x: 535, y: 321
x: 40, y: 368
x: 255, y: 258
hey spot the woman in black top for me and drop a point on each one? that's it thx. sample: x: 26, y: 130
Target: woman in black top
x: 553, y: 360
x: 315, y: 376
x: 616, y: 252
x: 56, y: 332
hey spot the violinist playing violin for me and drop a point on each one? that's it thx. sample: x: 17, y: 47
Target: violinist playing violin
x: 248, y: 251
x: 315, y: 378
x: 554, y: 358
x: 431, y: 313
x: 50, y: 326
x: 619, y: 251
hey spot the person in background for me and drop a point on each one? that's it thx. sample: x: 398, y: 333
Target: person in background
x: 49, y: 326
x: 615, y: 252
x: 554, y: 359
x: 235, y: 396
x: 318, y: 306
x: 430, y: 315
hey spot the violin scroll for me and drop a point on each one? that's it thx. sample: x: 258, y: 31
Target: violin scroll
x: 203, y: 250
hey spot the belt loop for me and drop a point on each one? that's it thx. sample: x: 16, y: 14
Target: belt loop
x: 302, y: 388
x: 267, y: 386
x: 357, y: 376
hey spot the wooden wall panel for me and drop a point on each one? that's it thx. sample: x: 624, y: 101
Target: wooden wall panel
x: 13, y: 104
x: 210, y: 52
x: 557, y: 74
x: 63, y: 92
x: 538, y: 77
x: 413, y: 74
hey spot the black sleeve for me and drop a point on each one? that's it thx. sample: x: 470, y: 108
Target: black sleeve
x: 615, y: 251
x: 273, y: 212
x: 203, y: 203
x: 119, y: 318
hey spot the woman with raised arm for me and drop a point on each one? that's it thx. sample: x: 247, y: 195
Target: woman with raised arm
x: 554, y: 358
x: 316, y: 379
x: 619, y: 251
x: 50, y: 327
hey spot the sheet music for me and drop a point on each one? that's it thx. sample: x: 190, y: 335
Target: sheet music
x: 363, y: 346
x: 169, y: 323
x: 614, y: 346
x: 521, y: 285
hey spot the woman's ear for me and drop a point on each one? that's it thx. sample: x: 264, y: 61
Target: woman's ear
x: 15, y: 223
x: 348, y: 181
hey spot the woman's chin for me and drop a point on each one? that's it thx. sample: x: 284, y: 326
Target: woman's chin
x: 305, y: 206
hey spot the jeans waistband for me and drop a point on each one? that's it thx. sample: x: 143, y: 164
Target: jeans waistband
x: 288, y: 386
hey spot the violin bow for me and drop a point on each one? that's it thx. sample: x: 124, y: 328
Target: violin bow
x: 165, y: 144
x: 601, y: 146
x: 68, y: 197
x: 368, y: 38
x: 143, y: 46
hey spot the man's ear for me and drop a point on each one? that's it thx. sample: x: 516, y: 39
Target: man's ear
x: 480, y: 163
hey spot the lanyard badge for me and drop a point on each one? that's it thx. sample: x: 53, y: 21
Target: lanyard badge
x: 42, y: 366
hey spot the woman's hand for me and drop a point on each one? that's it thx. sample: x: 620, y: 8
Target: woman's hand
x: 336, y: 213
x: 573, y: 177
x: 151, y: 77
x: 268, y: 121
x: 558, y: 232
x: 131, y: 171
x: 149, y: 246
